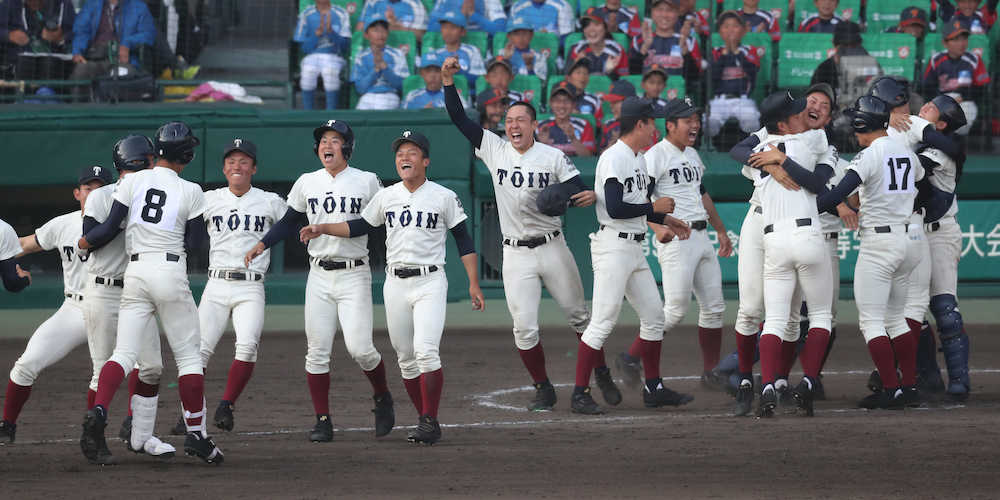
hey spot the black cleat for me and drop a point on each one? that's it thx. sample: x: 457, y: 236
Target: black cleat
x: 92, y: 442
x: 125, y: 432
x: 804, y: 394
x: 224, y: 416
x: 631, y: 370
x: 911, y: 397
x: 609, y: 391
x: 713, y: 381
x: 874, y: 383
x: 583, y: 403
x: 768, y: 402
x: 385, y: 415
x: 545, y: 397
x: 744, y: 399
x: 322, y: 432
x: 930, y: 382
x: 428, y: 431
x: 662, y: 396
x: 785, y: 399
x: 7, y: 430
x: 819, y: 393
x: 202, y: 447
x: 895, y: 400
x: 180, y: 428
x: 875, y: 400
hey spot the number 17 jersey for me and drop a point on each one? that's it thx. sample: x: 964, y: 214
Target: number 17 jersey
x: 159, y: 205
x: 888, y: 172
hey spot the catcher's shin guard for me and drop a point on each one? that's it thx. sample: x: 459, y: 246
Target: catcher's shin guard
x: 954, y: 343
x: 142, y: 439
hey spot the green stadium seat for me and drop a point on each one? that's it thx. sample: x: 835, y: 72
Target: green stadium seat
x: 545, y: 43
x: 429, y: 5
x: 798, y: 56
x: 978, y: 44
x: 882, y: 14
x: 402, y: 40
x: 849, y: 10
x: 762, y: 41
x: 478, y: 39
x: 529, y: 85
x: 895, y: 52
x: 414, y: 82
x: 353, y: 8
x: 777, y: 8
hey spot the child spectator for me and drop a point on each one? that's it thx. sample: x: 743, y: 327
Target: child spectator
x: 913, y: 21
x: 469, y: 58
x: 620, y: 19
x: 480, y: 15
x: 611, y: 128
x: 402, y: 15
x: 851, y: 68
x: 687, y: 13
x: 759, y: 21
x: 606, y: 56
x: 977, y: 21
x: 492, y: 104
x: 675, y: 52
x: 524, y: 60
x: 957, y: 71
x: 32, y: 29
x: 654, y: 80
x: 379, y: 70
x: 549, y: 16
x: 431, y: 96
x: 570, y: 134
x: 578, y: 75
x: 734, y: 74
x: 499, y: 75
x: 824, y: 21
x: 324, y: 30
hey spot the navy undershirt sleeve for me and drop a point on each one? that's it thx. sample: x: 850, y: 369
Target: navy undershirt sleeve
x: 741, y: 151
x: 578, y: 182
x: 284, y: 228
x: 106, y: 231
x: 11, y: 281
x: 463, y: 239
x: 470, y: 129
x: 359, y: 227
x: 617, y: 208
x: 835, y: 196
x: 195, y: 234
x: 813, y: 181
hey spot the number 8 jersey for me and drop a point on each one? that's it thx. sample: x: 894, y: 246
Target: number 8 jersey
x: 160, y: 203
x: 888, y: 172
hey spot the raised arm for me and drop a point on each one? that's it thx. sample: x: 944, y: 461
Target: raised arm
x: 453, y: 103
x: 107, y: 230
x: 742, y: 150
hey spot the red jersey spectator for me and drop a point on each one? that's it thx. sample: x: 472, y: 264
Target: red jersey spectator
x: 611, y: 128
x: 687, y: 12
x: 913, y: 21
x: 759, y: 21
x: 605, y: 54
x: 620, y: 19
x: 824, y: 21
x: 572, y: 135
x: 957, y: 71
x: 677, y: 53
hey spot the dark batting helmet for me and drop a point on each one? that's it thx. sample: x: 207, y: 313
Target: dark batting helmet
x: 175, y: 142
x: 132, y: 153
x: 951, y: 113
x: 895, y: 91
x: 869, y: 114
x: 340, y: 127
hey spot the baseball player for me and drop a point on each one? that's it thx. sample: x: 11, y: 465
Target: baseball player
x: 236, y: 217
x: 691, y: 264
x: 101, y: 304
x: 534, y: 247
x: 164, y: 213
x: 65, y: 329
x: 417, y: 214
x: 14, y: 278
x: 620, y: 268
x: 339, y: 285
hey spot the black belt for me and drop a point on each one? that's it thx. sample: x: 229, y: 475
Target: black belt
x: 409, y: 272
x: 630, y: 236
x: 170, y: 257
x: 798, y: 222
x: 333, y: 265
x: 699, y: 225
x: 933, y: 226
x: 110, y: 282
x: 832, y: 236
x: 888, y: 229
x: 74, y: 296
x: 235, y: 275
x: 758, y: 210
x: 532, y: 242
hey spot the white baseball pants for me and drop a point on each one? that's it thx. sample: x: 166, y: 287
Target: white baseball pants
x: 918, y: 290
x: 691, y: 266
x: 946, y: 251
x: 101, y: 306
x: 414, y: 314
x: 378, y: 100
x: 881, y: 280
x: 344, y: 295
x: 750, y: 267
x: 52, y: 341
x: 244, y: 300
x: 721, y: 109
x: 327, y: 65
x: 795, y: 256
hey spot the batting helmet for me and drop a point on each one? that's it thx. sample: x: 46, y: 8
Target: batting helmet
x: 869, y: 114
x: 340, y: 127
x: 951, y: 112
x: 132, y: 153
x: 175, y: 143
x: 893, y: 90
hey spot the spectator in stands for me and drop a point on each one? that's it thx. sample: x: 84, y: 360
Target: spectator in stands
x: 578, y: 75
x: 523, y: 59
x: 976, y: 21
x: 324, y: 31
x: 611, y: 128
x: 402, y: 15
x: 686, y: 12
x: 492, y: 104
x: 431, y: 96
x: 734, y: 74
x: 480, y: 15
x: 824, y: 21
x: 499, y: 74
x: 606, y: 56
x: 29, y: 29
x: 620, y: 19
x: 654, y: 80
x: 549, y: 16
x: 676, y: 52
x: 956, y: 71
x: 759, y: 21
x: 379, y: 70
x: 102, y: 26
x: 913, y: 21
x: 469, y: 57
x: 571, y: 134
x: 851, y: 68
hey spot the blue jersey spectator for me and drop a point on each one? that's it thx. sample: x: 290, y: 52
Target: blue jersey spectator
x: 102, y: 24
x: 469, y: 57
x: 324, y: 30
x: 23, y: 30
x: 379, y: 70
x: 402, y: 15
x: 523, y: 59
x: 481, y: 15
x: 432, y: 95
x: 550, y: 16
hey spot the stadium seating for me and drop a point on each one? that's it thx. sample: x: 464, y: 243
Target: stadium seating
x: 979, y: 44
x: 598, y: 85
x: 673, y: 90
x: 849, y: 10
x: 895, y: 52
x: 777, y: 8
x: 638, y: 5
x: 353, y: 7
x: 529, y: 85
x: 478, y: 39
x: 798, y: 56
x: 762, y: 42
x: 545, y: 43
x: 882, y: 14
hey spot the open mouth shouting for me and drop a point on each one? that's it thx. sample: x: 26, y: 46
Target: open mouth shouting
x: 405, y: 166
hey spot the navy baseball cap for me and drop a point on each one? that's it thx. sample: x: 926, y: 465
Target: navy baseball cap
x: 953, y: 29
x: 913, y: 15
x: 555, y: 199
x: 680, y: 108
x: 243, y: 146
x: 413, y: 137
x: 620, y: 90
x: 501, y: 60
x: 779, y: 106
x: 638, y: 107
x: 580, y: 61
x: 95, y: 173
x: 490, y: 96
x: 567, y: 88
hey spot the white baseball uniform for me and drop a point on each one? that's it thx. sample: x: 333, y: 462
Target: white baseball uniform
x: 235, y: 224
x: 343, y: 293
x: 9, y: 244
x: 918, y: 286
x: 620, y: 268
x: 944, y: 235
x: 417, y: 227
x: 888, y: 172
x: 913, y: 136
x: 691, y: 264
x: 517, y: 180
x: 831, y: 226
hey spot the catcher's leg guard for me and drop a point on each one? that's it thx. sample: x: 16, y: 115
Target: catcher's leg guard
x: 143, y: 422
x: 954, y: 343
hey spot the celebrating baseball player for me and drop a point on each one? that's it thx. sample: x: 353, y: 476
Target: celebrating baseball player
x: 236, y: 217
x: 65, y: 329
x: 534, y: 246
x: 417, y: 214
x: 14, y: 278
x: 691, y: 264
x: 164, y: 212
x: 340, y: 281
x: 620, y: 268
